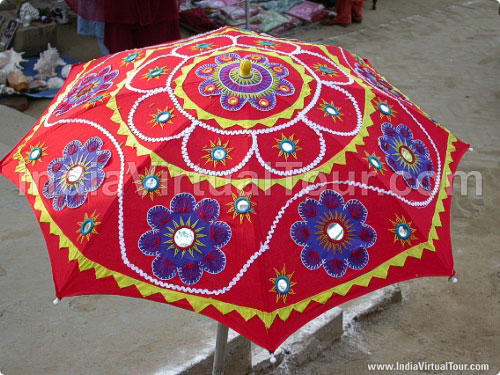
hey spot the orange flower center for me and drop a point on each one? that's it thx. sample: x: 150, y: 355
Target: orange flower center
x: 210, y: 88
x: 233, y: 101
x: 264, y: 102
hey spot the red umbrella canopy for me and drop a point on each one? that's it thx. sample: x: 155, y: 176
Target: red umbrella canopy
x: 255, y: 180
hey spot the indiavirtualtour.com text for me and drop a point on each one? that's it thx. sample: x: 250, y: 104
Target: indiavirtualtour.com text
x: 428, y: 366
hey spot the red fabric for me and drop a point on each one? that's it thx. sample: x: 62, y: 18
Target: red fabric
x: 348, y: 11
x: 92, y: 10
x: 120, y: 37
x: 357, y: 10
x: 130, y: 12
x: 133, y: 138
x: 140, y: 23
x: 196, y: 19
x: 132, y: 23
x: 140, y: 12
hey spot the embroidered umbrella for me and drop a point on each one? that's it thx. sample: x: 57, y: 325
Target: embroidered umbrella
x: 255, y: 180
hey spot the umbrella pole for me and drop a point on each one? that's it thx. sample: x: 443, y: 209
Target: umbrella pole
x: 220, y: 350
x: 247, y: 11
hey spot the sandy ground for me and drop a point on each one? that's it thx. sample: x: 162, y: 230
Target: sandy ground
x: 445, y: 55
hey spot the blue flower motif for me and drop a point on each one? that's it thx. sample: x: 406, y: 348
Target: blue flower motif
x: 333, y: 234
x: 77, y: 173
x: 406, y: 156
x: 186, y: 239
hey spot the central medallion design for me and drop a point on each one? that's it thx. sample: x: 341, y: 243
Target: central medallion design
x: 252, y: 79
x: 243, y: 87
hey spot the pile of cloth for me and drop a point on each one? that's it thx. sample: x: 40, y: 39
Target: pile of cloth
x: 268, y: 16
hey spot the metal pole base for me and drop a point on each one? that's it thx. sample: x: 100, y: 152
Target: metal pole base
x: 220, y: 350
x: 247, y: 14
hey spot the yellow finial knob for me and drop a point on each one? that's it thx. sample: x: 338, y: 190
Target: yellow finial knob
x: 245, y: 68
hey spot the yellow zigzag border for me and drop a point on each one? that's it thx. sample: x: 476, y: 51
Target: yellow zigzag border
x: 199, y: 303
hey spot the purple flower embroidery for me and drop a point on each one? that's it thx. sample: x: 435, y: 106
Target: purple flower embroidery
x: 186, y: 239
x: 91, y: 85
x: 78, y: 172
x: 406, y: 156
x: 376, y: 80
x: 333, y: 234
x: 264, y: 81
